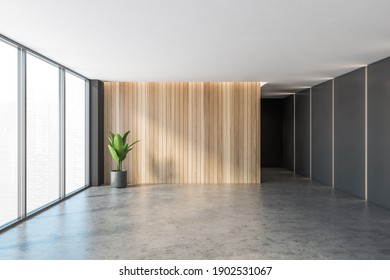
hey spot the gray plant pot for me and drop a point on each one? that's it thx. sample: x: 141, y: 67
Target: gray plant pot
x: 118, y: 179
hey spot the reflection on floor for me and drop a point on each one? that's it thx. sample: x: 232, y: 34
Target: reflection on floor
x: 286, y: 217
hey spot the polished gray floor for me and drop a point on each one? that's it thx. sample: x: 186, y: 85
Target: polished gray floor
x: 286, y: 217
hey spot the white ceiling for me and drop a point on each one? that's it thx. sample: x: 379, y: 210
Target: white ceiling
x: 290, y: 44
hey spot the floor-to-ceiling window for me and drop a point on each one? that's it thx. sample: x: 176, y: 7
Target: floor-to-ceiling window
x: 43, y: 132
x: 8, y: 133
x: 42, y: 141
x: 75, y: 135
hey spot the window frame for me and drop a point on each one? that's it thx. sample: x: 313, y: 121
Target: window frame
x: 22, y: 187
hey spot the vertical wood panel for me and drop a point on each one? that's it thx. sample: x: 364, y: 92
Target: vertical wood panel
x: 256, y: 121
x: 220, y: 146
x: 190, y: 132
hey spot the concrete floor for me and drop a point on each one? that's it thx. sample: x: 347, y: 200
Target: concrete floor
x: 287, y: 217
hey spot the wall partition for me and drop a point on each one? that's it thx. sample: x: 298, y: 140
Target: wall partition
x: 190, y: 132
x: 349, y: 133
x: 302, y: 133
x: 288, y: 123
x: 378, y: 161
x: 43, y: 132
x: 322, y: 132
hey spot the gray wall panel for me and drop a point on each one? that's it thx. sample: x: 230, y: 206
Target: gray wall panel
x: 288, y: 132
x: 349, y: 132
x: 97, y: 133
x: 271, y: 133
x: 379, y: 132
x: 302, y: 133
x: 322, y: 133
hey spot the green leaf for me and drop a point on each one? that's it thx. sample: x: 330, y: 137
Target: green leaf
x: 111, y: 138
x: 135, y: 142
x: 123, y: 156
x: 114, y: 155
x: 119, y: 146
x: 125, y: 136
x: 112, y: 134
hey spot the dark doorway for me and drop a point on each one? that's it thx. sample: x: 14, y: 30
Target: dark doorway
x: 271, y: 132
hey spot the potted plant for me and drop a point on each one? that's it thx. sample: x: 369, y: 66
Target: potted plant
x: 119, y: 149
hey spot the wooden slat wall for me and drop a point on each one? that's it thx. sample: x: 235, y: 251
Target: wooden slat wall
x: 190, y: 132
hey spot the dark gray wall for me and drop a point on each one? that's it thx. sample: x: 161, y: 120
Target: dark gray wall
x: 96, y: 132
x: 321, y: 98
x: 271, y: 132
x: 288, y: 132
x: 302, y: 133
x: 349, y: 132
x: 379, y: 132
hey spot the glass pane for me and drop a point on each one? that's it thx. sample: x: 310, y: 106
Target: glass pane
x: 8, y: 133
x: 74, y: 133
x: 42, y: 132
